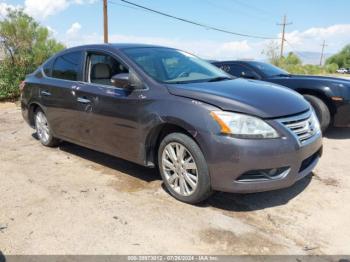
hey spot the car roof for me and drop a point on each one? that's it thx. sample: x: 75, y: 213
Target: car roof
x: 237, y: 61
x: 116, y: 46
x: 105, y: 47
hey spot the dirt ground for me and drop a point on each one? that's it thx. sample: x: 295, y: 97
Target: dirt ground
x: 71, y: 200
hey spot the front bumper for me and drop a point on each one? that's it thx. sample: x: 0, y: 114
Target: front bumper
x: 229, y: 158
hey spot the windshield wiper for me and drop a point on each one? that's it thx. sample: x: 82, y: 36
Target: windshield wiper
x: 219, y: 78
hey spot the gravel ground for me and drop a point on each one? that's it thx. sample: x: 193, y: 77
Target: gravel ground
x: 71, y: 200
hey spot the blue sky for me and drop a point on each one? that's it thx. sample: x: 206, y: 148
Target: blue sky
x: 77, y: 22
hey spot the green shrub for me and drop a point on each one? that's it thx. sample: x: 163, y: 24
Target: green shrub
x: 27, y: 45
x: 10, y: 77
x: 342, y: 59
x: 331, y: 68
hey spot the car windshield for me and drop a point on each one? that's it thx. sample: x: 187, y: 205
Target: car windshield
x: 172, y: 66
x: 268, y: 69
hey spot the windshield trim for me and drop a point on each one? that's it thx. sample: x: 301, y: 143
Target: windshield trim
x: 199, y: 81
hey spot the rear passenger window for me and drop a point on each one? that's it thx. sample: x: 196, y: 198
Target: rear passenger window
x: 67, y: 66
x: 47, y: 68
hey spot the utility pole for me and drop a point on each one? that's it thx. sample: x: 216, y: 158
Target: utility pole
x: 105, y: 21
x: 283, y: 24
x: 322, y: 53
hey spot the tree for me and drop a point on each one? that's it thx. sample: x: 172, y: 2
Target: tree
x: 26, y: 45
x: 342, y: 59
x: 272, y: 52
x: 293, y: 64
x: 331, y: 68
x: 292, y: 59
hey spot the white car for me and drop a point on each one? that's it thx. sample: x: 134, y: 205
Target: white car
x: 342, y: 70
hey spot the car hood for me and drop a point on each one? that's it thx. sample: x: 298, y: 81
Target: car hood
x: 319, y: 79
x: 252, y: 97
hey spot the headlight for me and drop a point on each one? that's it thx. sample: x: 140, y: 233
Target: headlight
x: 243, y: 126
x: 315, y: 122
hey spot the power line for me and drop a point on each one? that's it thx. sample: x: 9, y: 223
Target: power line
x: 128, y: 6
x: 294, y: 50
x: 303, y: 56
x: 209, y: 27
x: 283, y: 24
x: 254, y: 7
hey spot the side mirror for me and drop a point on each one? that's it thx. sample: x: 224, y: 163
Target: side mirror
x: 121, y: 80
x: 249, y: 75
x: 127, y: 80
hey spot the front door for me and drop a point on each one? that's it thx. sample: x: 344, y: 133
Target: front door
x: 113, y: 119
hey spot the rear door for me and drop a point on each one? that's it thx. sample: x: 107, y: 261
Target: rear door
x: 57, y: 93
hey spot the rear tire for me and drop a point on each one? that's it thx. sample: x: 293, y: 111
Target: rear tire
x: 321, y: 109
x: 184, y: 169
x: 43, y: 130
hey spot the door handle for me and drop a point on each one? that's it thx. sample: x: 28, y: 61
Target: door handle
x: 45, y: 93
x: 83, y: 100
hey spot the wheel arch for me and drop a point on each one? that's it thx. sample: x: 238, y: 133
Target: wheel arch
x: 320, y: 95
x: 156, y: 136
x: 33, y: 107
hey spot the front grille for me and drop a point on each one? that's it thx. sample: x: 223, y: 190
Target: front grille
x: 302, y: 126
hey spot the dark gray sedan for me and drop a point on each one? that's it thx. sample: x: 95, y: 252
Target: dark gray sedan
x: 161, y: 107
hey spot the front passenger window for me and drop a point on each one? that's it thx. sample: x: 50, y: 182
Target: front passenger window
x: 102, y: 68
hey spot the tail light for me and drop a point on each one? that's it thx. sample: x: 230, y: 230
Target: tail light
x: 21, y: 86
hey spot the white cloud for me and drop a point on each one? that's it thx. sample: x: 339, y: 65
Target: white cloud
x: 41, y: 9
x: 4, y: 7
x: 52, y: 31
x: 81, y: 2
x: 207, y: 49
x: 236, y: 45
x: 309, y: 40
x: 238, y: 49
x: 336, y: 36
x: 331, y: 31
x: 74, y: 29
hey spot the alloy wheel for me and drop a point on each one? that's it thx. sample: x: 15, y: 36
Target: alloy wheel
x: 180, y: 169
x: 42, y: 127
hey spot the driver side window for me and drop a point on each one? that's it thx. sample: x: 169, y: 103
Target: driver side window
x: 238, y: 70
x: 233, y: 69
x: 102, y: 67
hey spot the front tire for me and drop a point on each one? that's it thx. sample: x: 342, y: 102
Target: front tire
x: 183, y: 168
x: 43, y: 129
x: 321, y: 109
